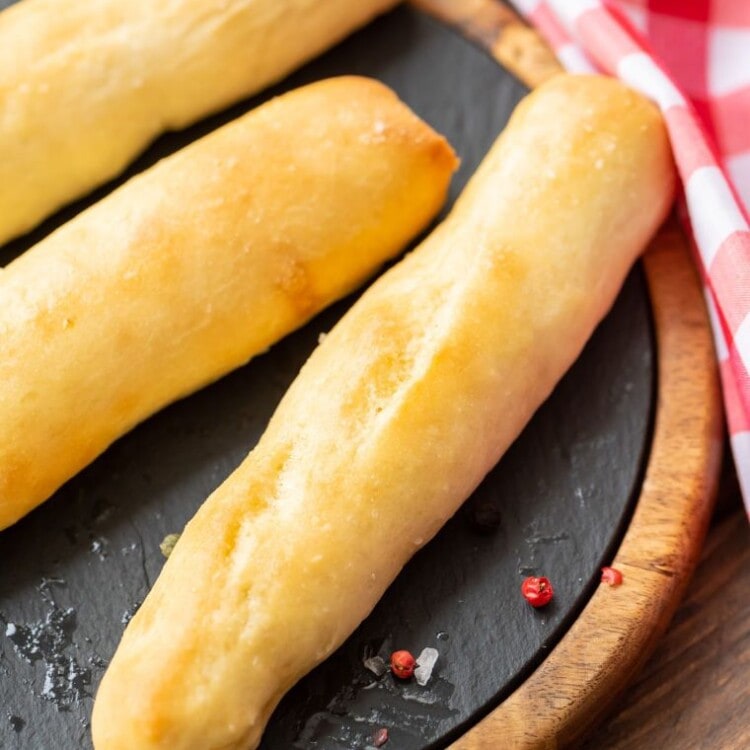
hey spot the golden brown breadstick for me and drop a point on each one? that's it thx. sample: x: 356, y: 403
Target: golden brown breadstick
x: 198, y: 264
x: 85, y: 85
x: 393, y: 421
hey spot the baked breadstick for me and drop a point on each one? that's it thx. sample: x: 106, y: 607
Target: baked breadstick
x: 393, y: 422
x: 198, y: 264
x: 85, y: 85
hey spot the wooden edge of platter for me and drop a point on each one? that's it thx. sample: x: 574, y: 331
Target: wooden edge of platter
x: 615, y: 633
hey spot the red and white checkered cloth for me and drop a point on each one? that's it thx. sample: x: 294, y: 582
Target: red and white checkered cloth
x: 692, y: 57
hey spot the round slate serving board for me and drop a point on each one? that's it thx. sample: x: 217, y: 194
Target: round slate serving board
x: 74, y: 571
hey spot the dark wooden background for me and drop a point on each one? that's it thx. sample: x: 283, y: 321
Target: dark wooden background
x: 694, y: 692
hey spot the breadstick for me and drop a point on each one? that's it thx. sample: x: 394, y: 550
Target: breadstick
x: 85, y: 85
x: 198, y: 264
x: 393, y: 421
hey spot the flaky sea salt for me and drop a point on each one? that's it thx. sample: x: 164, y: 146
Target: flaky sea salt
x: 376, y: 665
x: 425, y: 664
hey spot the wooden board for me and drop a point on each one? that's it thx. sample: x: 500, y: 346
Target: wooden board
x: 71, y: 573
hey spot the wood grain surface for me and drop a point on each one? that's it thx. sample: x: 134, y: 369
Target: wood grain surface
x: 609, y: 643
x: 694, y: 693
x: 497, y: 28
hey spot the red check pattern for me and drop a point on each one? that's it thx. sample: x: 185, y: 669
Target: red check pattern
x: 692, y: 57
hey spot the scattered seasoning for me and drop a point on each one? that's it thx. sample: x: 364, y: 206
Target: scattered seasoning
x: 376, y: 665
x: 537, y: 590
x: 99, y: 548
x: 168, y: 543
x: 611, y: 576
x: 425, y: 664
x: 16, y: 723
x: 403, y: 664
x: 380, y: 737
x: 486, y: 516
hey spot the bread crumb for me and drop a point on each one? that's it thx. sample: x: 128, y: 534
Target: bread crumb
x: 168, y: 543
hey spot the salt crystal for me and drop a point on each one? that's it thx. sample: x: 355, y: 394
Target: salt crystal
x: 376, y: 665
x: 425, y: 664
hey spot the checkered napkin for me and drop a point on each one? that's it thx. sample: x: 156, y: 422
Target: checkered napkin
x: 692, y: 57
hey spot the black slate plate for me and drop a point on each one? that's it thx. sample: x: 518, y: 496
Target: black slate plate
x: 72, y: 573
